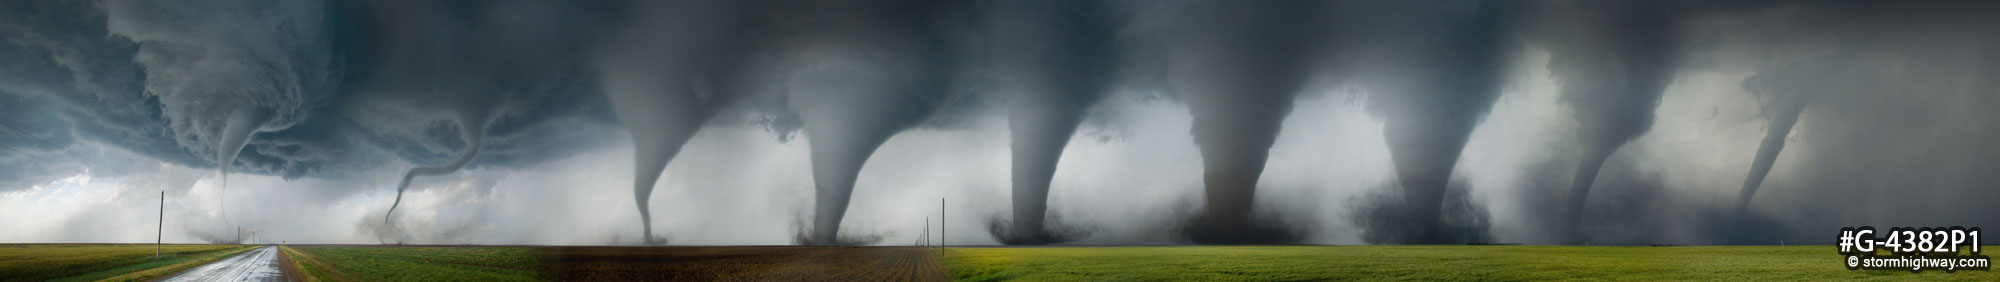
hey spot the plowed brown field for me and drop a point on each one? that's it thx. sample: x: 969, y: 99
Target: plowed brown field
x: 781, y: 263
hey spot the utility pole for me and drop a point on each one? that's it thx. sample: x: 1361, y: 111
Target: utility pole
x: 941, y: 238
x: 160, y: 235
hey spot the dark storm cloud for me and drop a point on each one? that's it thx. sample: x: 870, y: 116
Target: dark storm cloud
x: 325, y: 77
x: 128, y: 82
x: 510, y: 66
x: 59, y: 56
x: 224, y: 70
x: 36, y: 146
x: 305, y: 88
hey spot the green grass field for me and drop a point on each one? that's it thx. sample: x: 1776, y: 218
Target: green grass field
x: 1171, y: 263
x: 405, y: 263
x: 1511, y: 263
x: 94, y: 262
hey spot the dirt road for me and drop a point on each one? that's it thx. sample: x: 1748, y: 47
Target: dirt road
x: 255, y: 265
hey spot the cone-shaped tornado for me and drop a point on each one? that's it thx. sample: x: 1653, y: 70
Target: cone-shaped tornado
x: 1441, y: 80
x: 1238, y: 64
x: 1050, y: 57
x: 872, y: 69
x: 654, y: 74
x: 236, y: 131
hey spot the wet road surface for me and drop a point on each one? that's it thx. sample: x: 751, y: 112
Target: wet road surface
x: 255, y: 265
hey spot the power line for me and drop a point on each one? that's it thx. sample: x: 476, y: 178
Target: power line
x: 67, y: 150
x: 44, y: 161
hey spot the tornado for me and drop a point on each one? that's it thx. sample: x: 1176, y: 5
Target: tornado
x: 842, y: 137
x: 1785, y: 91
x: 871, y: 69
x: 1238, y: 64
x: 1050, y: 56
x: 655, y: 75
x: 236, y: 131
x: 669, y: 120
x: 253, y: 67
x: 1443, y: 66
x: 471, y: 129
x: 1782, y: 113
x: 472, y: 66
x: 1613, y: 60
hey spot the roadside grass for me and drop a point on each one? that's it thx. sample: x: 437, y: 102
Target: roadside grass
x: 149, y: 271
x: 311, y: 268
x: 1449, y: 262
x: 94, y: 262
x: 416, y: 263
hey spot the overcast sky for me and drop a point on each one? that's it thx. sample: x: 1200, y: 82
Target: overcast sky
x: 320, y: 108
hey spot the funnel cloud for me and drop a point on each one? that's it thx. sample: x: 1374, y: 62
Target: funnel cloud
x: 668, y: 74
x: 1052, y: 59
x: 867, y: 71
x: 1613, y: 60
x: 1436, y: 80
